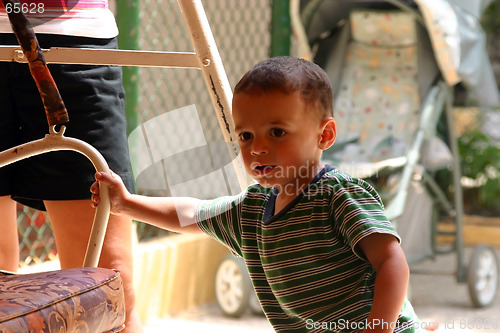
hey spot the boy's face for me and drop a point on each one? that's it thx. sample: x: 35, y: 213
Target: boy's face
x: 281, y: 138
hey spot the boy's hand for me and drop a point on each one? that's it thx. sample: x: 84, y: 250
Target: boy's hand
x: 175, y: 214
x: 117, y: 191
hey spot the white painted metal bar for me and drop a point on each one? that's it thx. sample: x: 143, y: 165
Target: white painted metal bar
x: 86, y: 56
x: 433, y: 103
x: 56, y: 141
x: 206, y: 58
x: 214, y: 75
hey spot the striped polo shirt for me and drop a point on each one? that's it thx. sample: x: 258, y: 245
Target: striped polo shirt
x: 304, y: 262
x: 84, y: 18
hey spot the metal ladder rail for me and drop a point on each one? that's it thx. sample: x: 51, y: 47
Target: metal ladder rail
x: 206, y: 58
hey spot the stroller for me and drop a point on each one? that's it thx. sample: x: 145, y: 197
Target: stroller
x: 397, y: 68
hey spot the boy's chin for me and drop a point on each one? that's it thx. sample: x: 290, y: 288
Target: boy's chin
x: 268, y: 182
x: 265, y: 184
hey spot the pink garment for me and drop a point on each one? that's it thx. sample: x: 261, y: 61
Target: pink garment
x: 87, y: 18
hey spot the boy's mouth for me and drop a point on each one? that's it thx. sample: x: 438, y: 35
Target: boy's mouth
x: 262, y: 170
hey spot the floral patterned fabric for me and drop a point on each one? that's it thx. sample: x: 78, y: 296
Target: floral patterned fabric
x: 71, y: 300
x: 378, y: 102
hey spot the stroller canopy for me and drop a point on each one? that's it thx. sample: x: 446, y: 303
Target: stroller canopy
x: 459, y: 43
x: 457, y: 39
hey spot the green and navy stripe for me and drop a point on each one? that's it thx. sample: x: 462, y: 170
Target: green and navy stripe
x: 304, y: 262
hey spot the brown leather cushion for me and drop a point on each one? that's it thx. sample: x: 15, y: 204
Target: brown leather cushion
x: 80, y: 299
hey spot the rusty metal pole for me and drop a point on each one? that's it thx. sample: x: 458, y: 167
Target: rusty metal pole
x: 215, y: 77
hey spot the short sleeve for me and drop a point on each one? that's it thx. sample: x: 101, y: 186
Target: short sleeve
x: 358, y: 212
x: 219, y: 218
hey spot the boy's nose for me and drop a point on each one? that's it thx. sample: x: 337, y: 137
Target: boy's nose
x: 258, y: 148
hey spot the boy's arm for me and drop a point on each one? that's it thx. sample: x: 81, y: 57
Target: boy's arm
x: 386, y: 256
x: 171, y: 213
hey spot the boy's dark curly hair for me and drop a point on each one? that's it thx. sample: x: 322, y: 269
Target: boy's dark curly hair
x: 288, y: 75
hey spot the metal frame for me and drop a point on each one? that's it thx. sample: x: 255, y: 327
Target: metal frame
x: 206, y: 58
x: 56, y: 141
x: 82, y: 56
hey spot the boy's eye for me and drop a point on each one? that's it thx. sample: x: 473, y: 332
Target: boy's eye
x: 245, y: 136
x: 277, y: 132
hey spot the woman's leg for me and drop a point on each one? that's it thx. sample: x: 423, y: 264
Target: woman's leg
x: 72, y: 221
x: 9, y: 239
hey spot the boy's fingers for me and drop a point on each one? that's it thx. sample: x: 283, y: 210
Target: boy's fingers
x: 99, y: 175
x: 94, y: 188
x: 105, y: 178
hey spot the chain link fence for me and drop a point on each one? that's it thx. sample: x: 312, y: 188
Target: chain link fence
x: 242, y: 32
x: 36, y: 241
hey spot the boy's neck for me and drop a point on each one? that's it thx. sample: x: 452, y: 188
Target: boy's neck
x: 285, y: 197
x: 282, y: 200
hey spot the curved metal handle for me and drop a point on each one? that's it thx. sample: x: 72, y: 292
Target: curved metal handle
x: 56, y: 141
x: 54, y: 107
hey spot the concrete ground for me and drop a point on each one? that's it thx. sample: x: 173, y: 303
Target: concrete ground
x: 438, y: 298
x: 442, y: 304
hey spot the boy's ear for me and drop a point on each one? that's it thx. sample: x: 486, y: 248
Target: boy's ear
x: 329, y: 133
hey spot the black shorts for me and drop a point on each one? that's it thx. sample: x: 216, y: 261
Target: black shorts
x: 94, y: 98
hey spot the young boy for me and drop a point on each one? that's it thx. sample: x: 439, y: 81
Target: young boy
x: 320, y: 252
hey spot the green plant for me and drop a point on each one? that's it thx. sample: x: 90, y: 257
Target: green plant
x: 480, y: 163
x: 491, y: 17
